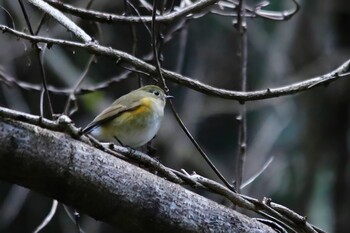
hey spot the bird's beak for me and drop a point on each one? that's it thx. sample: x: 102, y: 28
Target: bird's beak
x: 169, y: 97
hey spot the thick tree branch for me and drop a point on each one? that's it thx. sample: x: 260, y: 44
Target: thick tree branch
x: 242, y: 96
x: 62, y: 19
x: 105, y: 187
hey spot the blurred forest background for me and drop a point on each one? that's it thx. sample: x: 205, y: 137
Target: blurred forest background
x: 306, y: 134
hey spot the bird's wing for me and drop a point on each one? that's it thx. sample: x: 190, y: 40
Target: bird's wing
x: 109, y: 114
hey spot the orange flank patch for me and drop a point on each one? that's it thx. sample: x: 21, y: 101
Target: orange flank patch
x: 129, y: 121
x: 135, y: 116
x: 144, y: 108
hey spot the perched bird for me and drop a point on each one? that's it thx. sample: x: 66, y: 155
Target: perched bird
x: 133, y: 119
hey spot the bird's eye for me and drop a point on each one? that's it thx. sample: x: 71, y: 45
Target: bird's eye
x: 156, y: 93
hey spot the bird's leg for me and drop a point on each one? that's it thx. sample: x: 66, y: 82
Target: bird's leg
x: 115, y: 137
x: 151, y: 150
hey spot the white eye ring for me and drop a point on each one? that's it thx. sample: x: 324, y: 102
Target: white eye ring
x: 156, y: 93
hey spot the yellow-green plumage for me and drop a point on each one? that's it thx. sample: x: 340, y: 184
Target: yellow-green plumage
x: 133, y: 119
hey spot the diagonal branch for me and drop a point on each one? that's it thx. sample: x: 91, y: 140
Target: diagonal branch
x: 242, y: 96
x: 62, y: 19
x: 109, y: 18
x: 107, y: 188
x: 273, y: 211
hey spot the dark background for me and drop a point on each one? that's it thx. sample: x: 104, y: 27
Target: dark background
x: 307, y: 134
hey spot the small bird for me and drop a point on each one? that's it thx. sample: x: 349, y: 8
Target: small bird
x: 133, y: 119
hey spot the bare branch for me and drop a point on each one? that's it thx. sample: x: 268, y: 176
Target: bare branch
x: 294, y: 216
x: 242, y: 57
x: 191, y: 83
x: 184, y: 12
x: 62, y: 19
x: 109, y: 18
x: 48, y: 217
x: 255, y: 176
x: 256, y: 11
x: 11, y: 81
x: 71, y: 97
x: 42, y: 71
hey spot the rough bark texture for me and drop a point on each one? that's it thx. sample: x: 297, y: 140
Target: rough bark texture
x: 107, y: 188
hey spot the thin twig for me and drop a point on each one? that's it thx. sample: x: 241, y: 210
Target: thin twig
x: 41, y: 102
x: 42, y: 71
x: 10, y: 81
x: 48, y: 217
x: 154, y: 46
x: 41, y: 23
x: 139, y: 15
x: 200, y: 150
x: 301, y: 220
x: 76, y: 86
x: 177, y: 117
x: 132, y: 28
x: 10, y: 16
x: 242, y: 117
x: 72, y: 96
x: 255, y: 176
